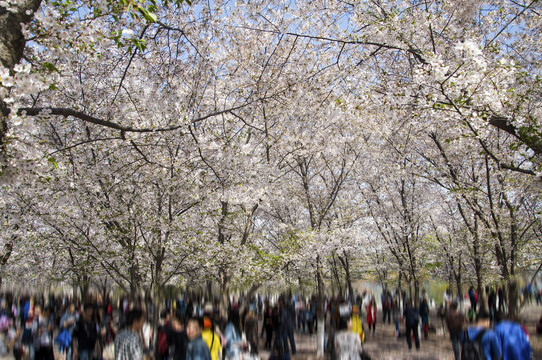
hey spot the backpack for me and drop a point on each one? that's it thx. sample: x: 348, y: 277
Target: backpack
x: 472, y: 349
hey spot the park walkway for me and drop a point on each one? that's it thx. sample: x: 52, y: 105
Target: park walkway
x: 384, y: 345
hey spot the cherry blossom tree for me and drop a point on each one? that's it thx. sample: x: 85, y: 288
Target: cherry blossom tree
x: 238, y: 143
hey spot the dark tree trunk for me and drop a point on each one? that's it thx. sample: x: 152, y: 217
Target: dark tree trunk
x: 346, y: 266
x: 12, y: 44
x: 210, y: 290
x: 224, y: 294
x: 513, y: 299
x: 5, y: 257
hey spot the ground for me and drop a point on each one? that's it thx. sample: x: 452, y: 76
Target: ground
x: 384, y: 345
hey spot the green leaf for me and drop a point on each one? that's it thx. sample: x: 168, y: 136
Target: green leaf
x: 50, y: 67
x: 52, y: 160
x: 150, y: 17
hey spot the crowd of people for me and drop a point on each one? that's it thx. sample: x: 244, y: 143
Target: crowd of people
x: 483, y: 335
x: 488, y: 339
x: 31, y: 328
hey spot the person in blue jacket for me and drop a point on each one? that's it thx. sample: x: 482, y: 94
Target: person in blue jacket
x: 514, y: 342
x: 490, y: 341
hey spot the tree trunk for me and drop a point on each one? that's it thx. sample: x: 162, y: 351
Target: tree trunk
x: 134, y: 284
x: 482, y: 299
x: 458, y: 282
x: 210, y: 291
x: 459, y: 293
x: 513, y: 300
x: 75, y: 290
x: 12, y: 44
x: 84, y: 286
x: 416, y: 294
x: 224, y: 293
x: 399, y: 285
x: 320, y: 314
x: 337, y: 278
x: 477, y: 259
x: 346, y: 266
x: 157, y: 308
x: 480, y: 289
x: 104, y: 291
x: 156, y: 296
x: 8, y: 248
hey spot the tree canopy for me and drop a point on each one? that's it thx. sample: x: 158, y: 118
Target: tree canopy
x: 277, y: 143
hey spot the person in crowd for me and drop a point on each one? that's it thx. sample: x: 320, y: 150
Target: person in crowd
x: 500, y: 297
x: 14, y: 337
x: 277, y: 340
x: 85, y: 335
x: 164, y: 327
x: 386, y: 306
x: 333, y: 313
x: 251, y: 331
x: 455, y: 321
x: 472, y: 298
x: 127, y: 342
x: 211, y: 338
x: 371, y: 315
x: 347, y: 343
x: 424, y: 315
x: 260, y: 307
x: 396, y: 315
x: 68, y: 322
x: 491, y: 303
x: 481, y: 332
x: 27, y: 318
x: 514, y: 342
x: 102, y: 327
x: 441, y: 315
x: 300, y: 317
x: 330, y: 353
x: 268, y: 324
x: 412, y: 319
x: 287, y: 320
x: 357, y: 326
x: 4, y: 340
x: 197, y: 349
x: 177, y: 338
x: 42, y: 334
x: 309, y: 316
x: 233, y: 345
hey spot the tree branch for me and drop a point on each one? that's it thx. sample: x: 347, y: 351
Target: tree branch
x: 124, y: 129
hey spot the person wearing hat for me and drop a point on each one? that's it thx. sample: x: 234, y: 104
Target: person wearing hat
x: 211, y: 338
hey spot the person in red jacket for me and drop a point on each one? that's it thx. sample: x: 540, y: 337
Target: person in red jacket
x: 371, y: 315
